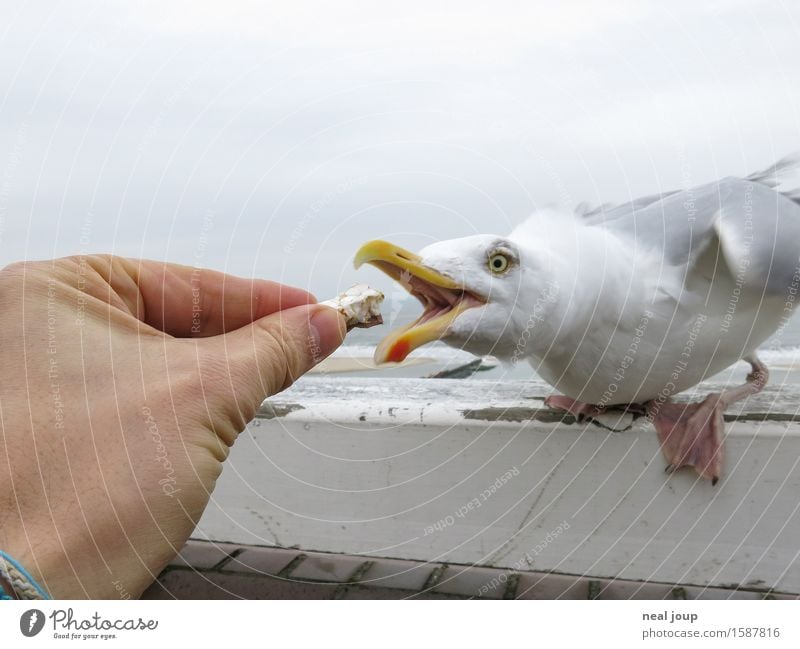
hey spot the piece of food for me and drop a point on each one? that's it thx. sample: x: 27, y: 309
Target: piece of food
x: 360, y: 304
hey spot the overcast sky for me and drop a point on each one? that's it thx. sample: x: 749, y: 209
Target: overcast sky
x: 272, y: 141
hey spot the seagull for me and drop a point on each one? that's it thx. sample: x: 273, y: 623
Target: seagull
x: 620, y: 306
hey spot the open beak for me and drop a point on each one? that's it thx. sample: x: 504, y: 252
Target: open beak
x: 444, y: 299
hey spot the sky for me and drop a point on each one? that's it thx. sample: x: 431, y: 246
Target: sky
x: 270, y: 140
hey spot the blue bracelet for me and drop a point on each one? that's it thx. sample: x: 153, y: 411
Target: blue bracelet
x: 25, y: 586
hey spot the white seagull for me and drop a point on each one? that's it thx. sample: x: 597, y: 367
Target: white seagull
x: 620, y: 306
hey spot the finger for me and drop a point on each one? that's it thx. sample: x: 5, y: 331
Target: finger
x: 192, y: 302
x: 240, y: 369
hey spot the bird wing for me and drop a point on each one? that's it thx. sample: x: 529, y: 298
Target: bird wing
x: 748, y: 222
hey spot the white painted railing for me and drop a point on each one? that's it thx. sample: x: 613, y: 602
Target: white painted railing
x: 477, y: 472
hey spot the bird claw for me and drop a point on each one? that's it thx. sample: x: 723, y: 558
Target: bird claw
x: 691, y: 435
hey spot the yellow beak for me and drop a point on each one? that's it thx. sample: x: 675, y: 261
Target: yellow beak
x: 407, y: 268
x: 400, y: 264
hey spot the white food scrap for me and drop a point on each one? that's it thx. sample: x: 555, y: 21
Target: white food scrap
x: 360, y: 305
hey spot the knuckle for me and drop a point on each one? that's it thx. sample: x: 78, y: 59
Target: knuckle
x: 16, y: 268
x: 282, y: 359
x: 202, y: 392
x: 21, y: 278
x: 272, y: 362
x: 227, y: 384
x: 23, y: 270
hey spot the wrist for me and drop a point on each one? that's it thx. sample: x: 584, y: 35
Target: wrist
x: 6, y: 591
x: 17, y: 582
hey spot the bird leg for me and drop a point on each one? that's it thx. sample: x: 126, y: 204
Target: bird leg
x: 609, y: 417
x: 581, y: 410
x: 577, y: 409
x: 691, y: 433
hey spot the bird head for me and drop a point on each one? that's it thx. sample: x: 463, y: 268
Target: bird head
x: 468, y: 289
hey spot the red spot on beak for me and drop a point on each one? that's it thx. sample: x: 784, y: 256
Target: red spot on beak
x: 399, y: 351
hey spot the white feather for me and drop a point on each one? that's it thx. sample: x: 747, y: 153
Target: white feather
x: 625, y: 304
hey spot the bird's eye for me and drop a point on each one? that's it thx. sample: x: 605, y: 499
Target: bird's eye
x: 498, y: 263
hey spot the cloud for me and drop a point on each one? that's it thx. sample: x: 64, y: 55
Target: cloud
x: 443, y: 119
x: 472, y: 29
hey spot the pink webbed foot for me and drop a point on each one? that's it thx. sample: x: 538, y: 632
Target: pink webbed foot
x: 691, y: 433
x: 577, y: 409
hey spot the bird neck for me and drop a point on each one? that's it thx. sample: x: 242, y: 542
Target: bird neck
x: 591, y: 277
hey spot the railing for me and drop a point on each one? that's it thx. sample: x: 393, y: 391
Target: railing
x: 478, y: 473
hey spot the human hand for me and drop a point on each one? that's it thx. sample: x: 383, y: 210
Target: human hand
x: 124, y: 383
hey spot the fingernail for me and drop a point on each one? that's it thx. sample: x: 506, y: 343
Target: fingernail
x: 328, y: 330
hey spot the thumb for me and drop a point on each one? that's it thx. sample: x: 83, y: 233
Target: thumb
x: 265, y: 357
